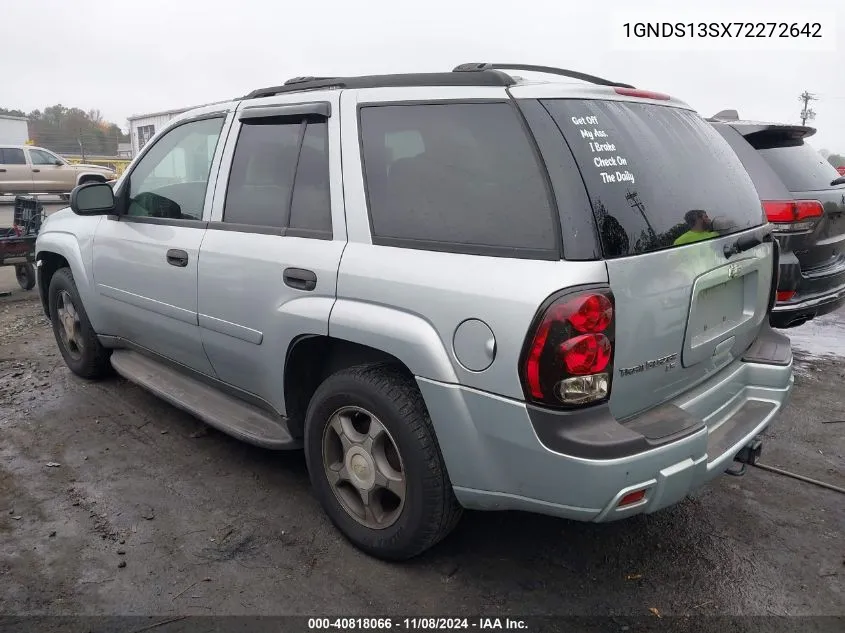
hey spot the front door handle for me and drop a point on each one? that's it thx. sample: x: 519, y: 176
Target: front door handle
x: 300, y: 278
x: 177, y: 257
x: 36, y: 170
x: 3, y: 170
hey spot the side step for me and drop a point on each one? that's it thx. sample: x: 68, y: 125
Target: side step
x: 226, y: 413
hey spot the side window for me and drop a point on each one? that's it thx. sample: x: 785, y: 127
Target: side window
x: 39, y: 157
x: 457, y: 177
x: 12, y: 156
x: 171, y: 179
x: 310, y: 211
x: 280, y: 177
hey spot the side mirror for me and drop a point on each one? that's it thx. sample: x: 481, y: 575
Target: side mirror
x: 58, y: 163
x: 93, y: 198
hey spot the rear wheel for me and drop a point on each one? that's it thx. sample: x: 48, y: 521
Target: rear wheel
x: 375, y: 463
x: 25, y: 274
x: 77, y: 341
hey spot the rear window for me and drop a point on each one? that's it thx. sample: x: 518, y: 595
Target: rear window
x: 12, y: 156
x: 797, y: 163
x: 768, y: 183
x: 456, y: 177
x: 657, y: 176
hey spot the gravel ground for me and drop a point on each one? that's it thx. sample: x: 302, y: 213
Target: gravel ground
x: 112, y: 502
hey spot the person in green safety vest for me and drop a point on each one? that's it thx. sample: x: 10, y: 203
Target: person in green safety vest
x: 700, y: 228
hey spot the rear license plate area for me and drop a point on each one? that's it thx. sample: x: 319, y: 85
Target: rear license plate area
x: 720, y: 309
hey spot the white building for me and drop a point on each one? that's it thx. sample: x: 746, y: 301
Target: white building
x: 142, y: 127
x: 14, y: 130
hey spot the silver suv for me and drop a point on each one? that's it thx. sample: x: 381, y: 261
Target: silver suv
x: 453, y: 290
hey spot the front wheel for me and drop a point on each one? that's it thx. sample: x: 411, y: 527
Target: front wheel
x: 375, y: 464
x: 78, y: 343
x: 25, y: 274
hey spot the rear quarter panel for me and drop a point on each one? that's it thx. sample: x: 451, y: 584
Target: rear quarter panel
x: 410, y: 302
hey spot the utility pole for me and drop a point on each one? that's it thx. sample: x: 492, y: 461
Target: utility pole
x: 807, y: 113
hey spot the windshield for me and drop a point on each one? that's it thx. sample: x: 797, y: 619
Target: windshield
x: 657, y: 176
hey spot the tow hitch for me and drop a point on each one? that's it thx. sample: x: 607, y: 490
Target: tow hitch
x: 749, y: 454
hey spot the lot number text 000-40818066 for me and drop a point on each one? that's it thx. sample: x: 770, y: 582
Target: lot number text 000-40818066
x: 411, y: 624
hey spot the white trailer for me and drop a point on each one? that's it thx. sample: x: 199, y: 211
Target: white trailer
x: 14, y: 130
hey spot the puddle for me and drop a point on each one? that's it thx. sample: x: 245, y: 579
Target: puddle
x: 822, y: 337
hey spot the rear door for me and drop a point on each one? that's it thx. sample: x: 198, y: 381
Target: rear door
x: 808, y: 176
x: 668, y: 195
x: 268, y: 263
x: 15, y: 173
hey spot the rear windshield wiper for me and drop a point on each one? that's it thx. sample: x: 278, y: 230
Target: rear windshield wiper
x: 838, y: 181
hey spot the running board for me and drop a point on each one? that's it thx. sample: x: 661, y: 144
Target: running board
x: 226, y: 413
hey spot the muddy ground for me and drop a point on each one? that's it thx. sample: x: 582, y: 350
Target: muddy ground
x: 150, y: 512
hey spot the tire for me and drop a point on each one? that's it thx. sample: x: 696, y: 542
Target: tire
x: 428, y: 509
x: 83, y: 353
x: 25, y: 274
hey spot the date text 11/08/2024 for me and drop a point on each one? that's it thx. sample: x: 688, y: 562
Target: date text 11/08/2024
x: 429, y: 623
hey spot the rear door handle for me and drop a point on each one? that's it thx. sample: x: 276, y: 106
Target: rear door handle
x: 2, y: 170
x: 300, y: 278
x: 36, y: 170
x: 177, y: 257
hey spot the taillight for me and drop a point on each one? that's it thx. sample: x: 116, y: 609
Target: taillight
x: 568, y: 357
x: 793, y: 215
x: 785, y: 295
x: 643, y: 94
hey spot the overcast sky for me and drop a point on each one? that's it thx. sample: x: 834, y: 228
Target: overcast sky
x: 135, y: 56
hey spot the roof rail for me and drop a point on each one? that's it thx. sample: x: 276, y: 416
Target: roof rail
x: 294, y: 85
x: 551, y: 70
x: 483, y: 78
x: 299, y: 80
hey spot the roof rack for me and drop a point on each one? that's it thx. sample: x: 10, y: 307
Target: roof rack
x: 482, y: 78
x: 551, y: 70
x: 473, y: 74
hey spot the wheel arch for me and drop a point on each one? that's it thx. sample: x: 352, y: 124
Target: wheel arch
x: 89, y: 176
x: 57, y: 250
x: 312, y: 358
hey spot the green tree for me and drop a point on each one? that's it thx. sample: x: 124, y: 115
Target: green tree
x: 72, y: 130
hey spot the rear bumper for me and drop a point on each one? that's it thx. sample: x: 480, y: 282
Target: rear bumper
x: 501, y: 455
x: 815, y: 294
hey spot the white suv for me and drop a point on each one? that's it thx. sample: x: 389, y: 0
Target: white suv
x: 27, y: 169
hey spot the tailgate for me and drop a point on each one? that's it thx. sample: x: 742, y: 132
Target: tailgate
x: 668, y: 195
x: 683, y: 314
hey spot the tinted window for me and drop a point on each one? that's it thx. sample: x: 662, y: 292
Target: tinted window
x: 12, y: 156
x: 171, y: 179
x: 39, y: 157
x: 311, y: 204
x: 800, y: 166
x: 657, y: 176
x: 766, y: 181
x: 458, y: 177
x: 262, y: 173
